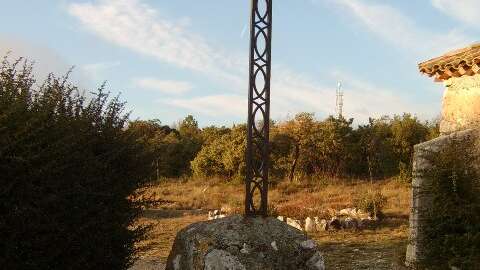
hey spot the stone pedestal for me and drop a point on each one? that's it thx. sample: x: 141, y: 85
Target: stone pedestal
x: 238, y: 243
x: 422, y: 195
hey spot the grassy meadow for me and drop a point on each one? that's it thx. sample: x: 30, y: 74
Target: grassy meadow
x: 182, y: 202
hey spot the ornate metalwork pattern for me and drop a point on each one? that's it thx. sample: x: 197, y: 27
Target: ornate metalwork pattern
x: 257, y: 154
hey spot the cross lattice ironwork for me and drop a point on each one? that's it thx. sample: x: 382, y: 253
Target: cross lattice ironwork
x: 257, y: 153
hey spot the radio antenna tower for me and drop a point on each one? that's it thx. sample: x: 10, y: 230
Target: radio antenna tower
x: 339, y: 102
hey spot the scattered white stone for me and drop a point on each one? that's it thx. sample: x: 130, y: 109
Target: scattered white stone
x: 294, y: 223
x: 216, y: 214
x: 274, y: 245
x: 308, y: 244
x: 309, y: 225
x: 320, y: 224
x: 345, y: 212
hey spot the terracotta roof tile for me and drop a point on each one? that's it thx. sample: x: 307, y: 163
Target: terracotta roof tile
x: 465, y: 61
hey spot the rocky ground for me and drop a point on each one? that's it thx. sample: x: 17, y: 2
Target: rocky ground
x: 379, y: 248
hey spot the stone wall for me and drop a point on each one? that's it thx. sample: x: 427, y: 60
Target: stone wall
x: 422, y: 196
x: 461, y: 104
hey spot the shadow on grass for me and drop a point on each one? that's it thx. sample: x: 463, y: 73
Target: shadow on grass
x: 171, y: 213
x: 380, y: 248
x: 385, y: 255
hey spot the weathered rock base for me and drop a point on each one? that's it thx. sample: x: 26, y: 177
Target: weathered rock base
x: 240, y: 243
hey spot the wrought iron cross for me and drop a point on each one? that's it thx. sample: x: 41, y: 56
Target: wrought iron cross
x: 257, y: 152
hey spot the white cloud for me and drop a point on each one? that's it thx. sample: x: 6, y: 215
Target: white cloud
x: 163, y: 86
x: 138, y: 27
x: 463, y: 10
x: 99, y: 67
x: 214, y: 105
x: 393, y: 26
x: 134, y: 25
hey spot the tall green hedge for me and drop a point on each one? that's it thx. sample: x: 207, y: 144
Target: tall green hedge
x: 67, y: 169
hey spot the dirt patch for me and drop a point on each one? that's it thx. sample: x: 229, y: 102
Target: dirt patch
x: 164, y: 229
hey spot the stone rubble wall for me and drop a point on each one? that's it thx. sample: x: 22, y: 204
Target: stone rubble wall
x: 348, y: 219
x: 422, y: 195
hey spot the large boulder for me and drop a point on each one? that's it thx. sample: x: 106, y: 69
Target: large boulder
x: 240, y: 243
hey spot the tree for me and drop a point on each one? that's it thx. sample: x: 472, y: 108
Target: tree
x: 190, y: 142
x: 224, y: 156
x: 314, y: 147
x: 157, y: 138
x: 174, y: 149
x: 407, y: 131
x: 375, y: 141
x: 68, y: 170
x: 301, y: 131
x: 212, y: 133
x: 335, y: 146
x: 281, y: 147
x: 188, y: 127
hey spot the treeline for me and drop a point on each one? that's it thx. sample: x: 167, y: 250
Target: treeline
x: 301, y: 147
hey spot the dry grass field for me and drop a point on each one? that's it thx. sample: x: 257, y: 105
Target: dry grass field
x: 183, y: 202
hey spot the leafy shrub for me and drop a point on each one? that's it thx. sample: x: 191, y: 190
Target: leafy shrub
x: 371, y: 202
x: 452, y: 228
x: 224, y: 156
x: 67, y: 170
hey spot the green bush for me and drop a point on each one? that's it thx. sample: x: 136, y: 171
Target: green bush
x: 67, y: 170
x: 224, y: 156
x: 371, y: 202
x: 452, y: 228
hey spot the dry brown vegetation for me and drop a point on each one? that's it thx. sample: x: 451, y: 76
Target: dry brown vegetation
x: 183, y: 202
x: 291, y: 199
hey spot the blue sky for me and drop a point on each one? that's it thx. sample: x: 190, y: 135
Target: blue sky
x: 170, y: 58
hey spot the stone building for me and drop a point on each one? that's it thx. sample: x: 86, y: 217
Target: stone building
x: 459, y: 71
